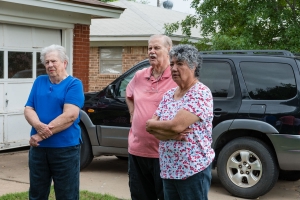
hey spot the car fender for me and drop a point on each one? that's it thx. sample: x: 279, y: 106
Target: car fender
x: 90, y: 127
x: 247, y: 124
x: 255, y: 125
x: 219, y: 130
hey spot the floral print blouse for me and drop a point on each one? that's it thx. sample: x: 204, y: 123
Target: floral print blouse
x: 182, y: 159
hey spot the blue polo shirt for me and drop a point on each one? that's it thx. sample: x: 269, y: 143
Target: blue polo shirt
x: 48, y: 101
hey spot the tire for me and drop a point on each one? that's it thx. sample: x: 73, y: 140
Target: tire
x: 289, y: 175
x: 122, y: 157
x: 86, y: 154
x: 247, y: 168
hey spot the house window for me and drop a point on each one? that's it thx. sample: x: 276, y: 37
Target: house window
x: 111, y: 60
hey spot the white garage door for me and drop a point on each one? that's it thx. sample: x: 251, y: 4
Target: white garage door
x: 20, y: 48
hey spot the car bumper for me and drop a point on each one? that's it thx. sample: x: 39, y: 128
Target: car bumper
x: 287, y: 148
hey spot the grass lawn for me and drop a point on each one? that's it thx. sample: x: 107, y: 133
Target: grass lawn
x: 84, y: 195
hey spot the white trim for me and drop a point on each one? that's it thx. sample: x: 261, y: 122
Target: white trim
x: 71, y: 7
x: 136, y: 38
x: 67, y: 42
x: 33, y: 22
x: 29, y: 15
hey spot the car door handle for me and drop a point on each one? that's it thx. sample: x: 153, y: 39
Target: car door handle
x: 218, y: 112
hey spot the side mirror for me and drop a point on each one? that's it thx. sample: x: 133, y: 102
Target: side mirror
x: 110, y: 92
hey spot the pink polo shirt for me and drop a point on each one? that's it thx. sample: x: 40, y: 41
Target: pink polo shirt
x: 146, y: 93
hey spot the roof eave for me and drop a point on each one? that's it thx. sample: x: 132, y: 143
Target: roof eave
x: 96, y: 38
x: 95, y: 10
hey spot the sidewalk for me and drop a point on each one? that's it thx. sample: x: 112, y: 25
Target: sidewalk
x: 106, y: 174
x: 13, y: 172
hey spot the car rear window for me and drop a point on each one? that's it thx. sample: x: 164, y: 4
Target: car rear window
x: 269, y: 81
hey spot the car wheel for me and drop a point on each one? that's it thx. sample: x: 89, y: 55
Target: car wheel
x: 122, y: 157
x: 86, y: 154
x: 247, y: 168
x: 289, y: 175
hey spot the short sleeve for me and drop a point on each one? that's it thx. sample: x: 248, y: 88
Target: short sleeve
x: 130, y: 87
x: 75, y: 94
x: 30, y: 101
x: 200, y: 103
x: 159, y: 109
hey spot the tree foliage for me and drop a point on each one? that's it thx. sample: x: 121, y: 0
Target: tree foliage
x: 244, y: 24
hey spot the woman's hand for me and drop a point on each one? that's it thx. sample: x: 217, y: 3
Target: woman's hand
x: 44, y: 131
x: 34, y: 140
x: 180, y: 136
x: 183, y: 135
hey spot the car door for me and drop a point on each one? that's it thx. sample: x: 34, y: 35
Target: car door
x: 274, y: 99
x: 220, y: 76
x: 111, y: 113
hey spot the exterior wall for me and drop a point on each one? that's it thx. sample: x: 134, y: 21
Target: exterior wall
x: 130, y: 57
x: 133, y: 55
x: 81, y: 47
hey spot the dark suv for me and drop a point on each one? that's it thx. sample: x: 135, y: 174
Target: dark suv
x: 256, y: 126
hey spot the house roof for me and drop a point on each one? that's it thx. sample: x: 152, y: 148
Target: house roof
x: 94, y: 8
x: 95, y: 3
x: 137, y: 22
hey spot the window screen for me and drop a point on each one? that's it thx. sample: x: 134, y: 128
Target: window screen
x: 111, y: 60
x: 269, y: 81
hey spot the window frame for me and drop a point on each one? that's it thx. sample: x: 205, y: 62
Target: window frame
x: 5, y: 63
x: 231, y: 85
x: 101, y: 59
x: 259, y: 63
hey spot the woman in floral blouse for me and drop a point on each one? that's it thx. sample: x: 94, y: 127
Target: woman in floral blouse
x: 183, y: 124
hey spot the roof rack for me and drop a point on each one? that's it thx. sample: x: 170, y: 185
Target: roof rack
x: 250, y: 52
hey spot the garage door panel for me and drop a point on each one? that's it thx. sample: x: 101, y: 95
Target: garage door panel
x: 45, y: 37
x: 28, y: 37
x: 17, y: 95
x: 17, y: 133
x: 1, y: 129
x: 17, y: 36
x: 2, y: 100
x: 1, y: 35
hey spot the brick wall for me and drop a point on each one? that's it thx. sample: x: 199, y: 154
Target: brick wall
x: 81, y: 49
x: 130, y: 57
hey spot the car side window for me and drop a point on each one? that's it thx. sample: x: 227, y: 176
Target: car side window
x: 280, y: 84
x: 217, y: 76
x: 122, y: 89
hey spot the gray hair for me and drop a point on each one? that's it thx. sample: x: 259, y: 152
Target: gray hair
x: 54, y: 47
x: 167, y: 40
x: 189, y: 54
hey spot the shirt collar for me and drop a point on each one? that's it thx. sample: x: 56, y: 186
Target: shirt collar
x: 166, y: 74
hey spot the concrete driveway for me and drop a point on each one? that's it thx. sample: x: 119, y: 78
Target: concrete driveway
x: 107, y: 174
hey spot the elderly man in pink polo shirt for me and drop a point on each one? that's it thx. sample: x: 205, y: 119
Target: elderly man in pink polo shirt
x: 143, y: 94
